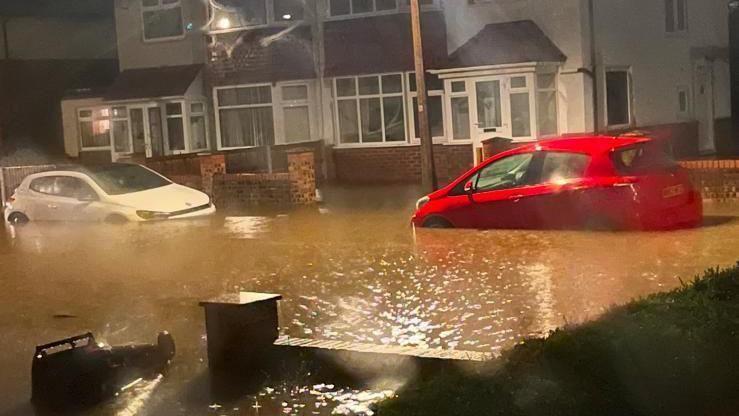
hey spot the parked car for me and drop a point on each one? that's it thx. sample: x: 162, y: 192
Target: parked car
x: 112, y: 193
x: 624, y: 183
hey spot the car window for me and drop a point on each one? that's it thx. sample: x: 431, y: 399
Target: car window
x: 70, y: 187
x: 123, y: 179
x: 45, y: 185
x: 562, y: 166
x: 505, y: 173
x: 64, y: 186
x: 643, y: 158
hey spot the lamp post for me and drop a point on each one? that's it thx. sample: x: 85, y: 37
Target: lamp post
x: 428, y: 173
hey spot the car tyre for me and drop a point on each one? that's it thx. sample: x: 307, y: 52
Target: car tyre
x: 437, y: 222
x: 116, y: 219
x: 17, y: 218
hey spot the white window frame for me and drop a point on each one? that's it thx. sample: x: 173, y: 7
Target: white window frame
x: 554, y: 89
x: 190, y: 115
x: 185, y: 127
x: 530, y: 89
x: 270, y: 19
x: 400, y: 6
x: 92, y: 119
x: 676, y: 30
x: 218, y: 107
x: 282, y: 104
x: 629, y: 100
x: 411, y: 117
x: 160, y: 7
x: 127, y: 120
x: 450, y: 95
x: 357, y: 97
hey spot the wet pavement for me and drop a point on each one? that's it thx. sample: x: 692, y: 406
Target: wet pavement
x: 351, y: 270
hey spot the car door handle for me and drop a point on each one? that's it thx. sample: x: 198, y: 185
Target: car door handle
x: 52, y: 206
x: 516, y: 198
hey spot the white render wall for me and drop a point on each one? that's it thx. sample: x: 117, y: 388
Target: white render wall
x: 632, y: 33
x: 58, y: 38
x: 133, y: 52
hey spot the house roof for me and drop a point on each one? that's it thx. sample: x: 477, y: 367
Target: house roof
x: 168, y: 81
x: 382, y: 44
x: 263, y: 55
x: 506, y: 43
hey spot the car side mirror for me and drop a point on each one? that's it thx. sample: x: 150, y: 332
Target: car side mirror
x: 468, y: 187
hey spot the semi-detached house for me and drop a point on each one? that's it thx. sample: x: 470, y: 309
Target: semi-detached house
x: 238, y: 76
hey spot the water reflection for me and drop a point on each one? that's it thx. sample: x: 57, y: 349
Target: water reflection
x: 354, y: 272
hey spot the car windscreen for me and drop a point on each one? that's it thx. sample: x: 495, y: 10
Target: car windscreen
x: 642, y: 159
x: 124, y: 179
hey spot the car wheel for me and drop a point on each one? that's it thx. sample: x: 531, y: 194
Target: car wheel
x: 18, y: 218
x: 116, y: 219
x: 437, y: 222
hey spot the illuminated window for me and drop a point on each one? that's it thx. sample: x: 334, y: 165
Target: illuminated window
x: 676, y: 16
x: 94, y: 125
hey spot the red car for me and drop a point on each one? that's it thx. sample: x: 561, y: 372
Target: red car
x: 584, y: 182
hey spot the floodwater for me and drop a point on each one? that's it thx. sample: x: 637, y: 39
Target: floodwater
x: 352, y: 269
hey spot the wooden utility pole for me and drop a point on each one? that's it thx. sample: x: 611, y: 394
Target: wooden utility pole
x: 428, y: 173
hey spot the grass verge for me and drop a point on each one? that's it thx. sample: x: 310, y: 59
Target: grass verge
x: 674, y: 353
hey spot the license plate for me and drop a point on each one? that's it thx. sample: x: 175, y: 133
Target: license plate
x: 673, y: 191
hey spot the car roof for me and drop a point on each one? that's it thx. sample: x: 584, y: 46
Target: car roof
x: 83, y: 169
x: 588, y: 144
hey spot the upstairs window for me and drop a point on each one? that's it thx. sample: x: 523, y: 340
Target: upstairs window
x: 676, y: 16
x: 235, y: 14
x: 361, y: 7
x: 162, y: 19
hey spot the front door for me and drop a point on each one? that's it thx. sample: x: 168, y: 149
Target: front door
x: 140, y: 135
x: 489, y: 112
x: 704, y: 107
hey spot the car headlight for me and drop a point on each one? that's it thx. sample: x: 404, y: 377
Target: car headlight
x: 152, y: 215
x: 421, y: 202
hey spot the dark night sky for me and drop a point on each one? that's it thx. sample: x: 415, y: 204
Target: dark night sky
x: 61, y: 8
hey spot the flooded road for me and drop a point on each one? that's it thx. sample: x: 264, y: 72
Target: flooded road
x: 351, y: 270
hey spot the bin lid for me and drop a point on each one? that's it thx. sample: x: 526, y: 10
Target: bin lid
x: 241, y: 299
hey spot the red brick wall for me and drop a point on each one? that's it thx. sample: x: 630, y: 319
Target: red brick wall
x: 398, y: 164
x: 302, y: 174
x: 716, y: 179
x: 240, y: 190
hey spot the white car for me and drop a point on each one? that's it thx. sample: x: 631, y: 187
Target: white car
x: 114, y: 193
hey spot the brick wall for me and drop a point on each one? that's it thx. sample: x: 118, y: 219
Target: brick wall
x: 716, y: 179
x: 399, y: 164
x: 302, y: 175
x: 240, y: 190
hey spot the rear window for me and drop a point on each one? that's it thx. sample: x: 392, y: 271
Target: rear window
x: 642, y: 159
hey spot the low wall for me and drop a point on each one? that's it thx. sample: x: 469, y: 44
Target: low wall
x: 717, y: 180
x: 208, y: 173
x: 398, y: 164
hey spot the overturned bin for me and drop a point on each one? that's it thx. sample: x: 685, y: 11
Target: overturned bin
x: 78, y: 371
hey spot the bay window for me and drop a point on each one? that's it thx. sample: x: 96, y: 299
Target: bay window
x: 520, y: 102
x: 94, y: 125
x: 162, y: 19
x: 246, y: 117
x: 370, y: 109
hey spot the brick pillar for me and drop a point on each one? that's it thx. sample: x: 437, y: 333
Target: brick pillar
x: 211, y: 165
x: 302, y: 173
x: 495, y: 145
